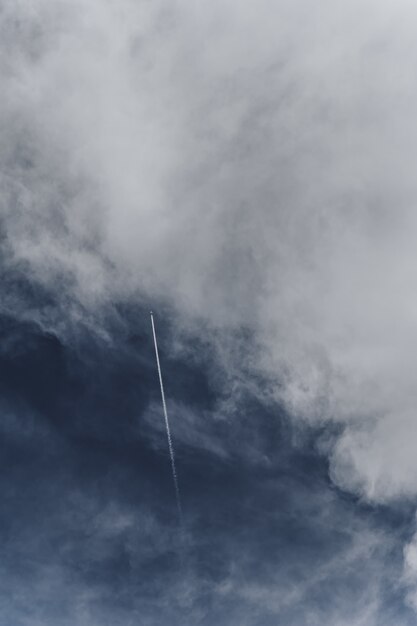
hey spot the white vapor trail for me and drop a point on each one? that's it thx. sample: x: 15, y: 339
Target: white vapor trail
x: 170, y: 446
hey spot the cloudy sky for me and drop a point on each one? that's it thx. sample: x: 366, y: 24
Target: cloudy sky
x: 247, y: 171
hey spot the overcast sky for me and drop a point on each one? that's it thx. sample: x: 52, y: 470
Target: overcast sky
x: 246, y: 170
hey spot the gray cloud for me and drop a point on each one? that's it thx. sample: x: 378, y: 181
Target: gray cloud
x: 247, y: 167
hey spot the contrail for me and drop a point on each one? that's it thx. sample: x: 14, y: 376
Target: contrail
x: 170, y: 446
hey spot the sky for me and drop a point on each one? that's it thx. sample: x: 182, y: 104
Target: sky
x: 246, y: 171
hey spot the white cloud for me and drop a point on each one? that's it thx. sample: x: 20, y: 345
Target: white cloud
x: 251, y: 167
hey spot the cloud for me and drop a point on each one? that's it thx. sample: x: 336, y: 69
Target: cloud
x: 247, y: 168
x: 88, y: 524
x: 409, y: 577
x: 83, y: 550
